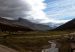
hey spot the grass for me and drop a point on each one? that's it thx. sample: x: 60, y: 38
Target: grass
x: 33, y: 40
x: 39, y: 33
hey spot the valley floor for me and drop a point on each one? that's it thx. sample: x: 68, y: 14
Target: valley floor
x: 33, y: 41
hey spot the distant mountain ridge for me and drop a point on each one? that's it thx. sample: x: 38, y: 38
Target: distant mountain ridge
x: 67, y: 26
x: 8, y: 25
x: 34, y: 26
x: 24, y: 24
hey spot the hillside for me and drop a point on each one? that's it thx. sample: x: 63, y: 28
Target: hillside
x: 31, y: 25
x: 67, y: 26
x: 8, y: 25
x: 21, y: 25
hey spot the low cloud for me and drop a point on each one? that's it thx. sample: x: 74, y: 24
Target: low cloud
x: 28, y: 9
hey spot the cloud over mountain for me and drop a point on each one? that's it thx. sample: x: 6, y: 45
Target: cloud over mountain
x: 29, y: 9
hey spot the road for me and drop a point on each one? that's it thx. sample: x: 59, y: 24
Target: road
x: 6, y: 49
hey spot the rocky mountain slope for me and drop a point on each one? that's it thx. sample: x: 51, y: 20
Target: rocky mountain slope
x: 23, y: 24
x: 67, y: 26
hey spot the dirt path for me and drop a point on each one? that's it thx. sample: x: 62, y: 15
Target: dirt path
x: 6, y: 49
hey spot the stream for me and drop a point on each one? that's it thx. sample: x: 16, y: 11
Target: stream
x: 51, y: 48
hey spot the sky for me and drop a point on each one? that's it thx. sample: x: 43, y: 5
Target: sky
x: 60, y: 10
x: 39, y: 11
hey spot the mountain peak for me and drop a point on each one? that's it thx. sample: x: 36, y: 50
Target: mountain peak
x: 32, y: 25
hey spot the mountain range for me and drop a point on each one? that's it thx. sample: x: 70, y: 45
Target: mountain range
x: 22, y: 24
x: 26, y: 25
x: 8, y: 25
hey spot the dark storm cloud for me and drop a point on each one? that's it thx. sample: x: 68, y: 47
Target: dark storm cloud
x: 13, y: 8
